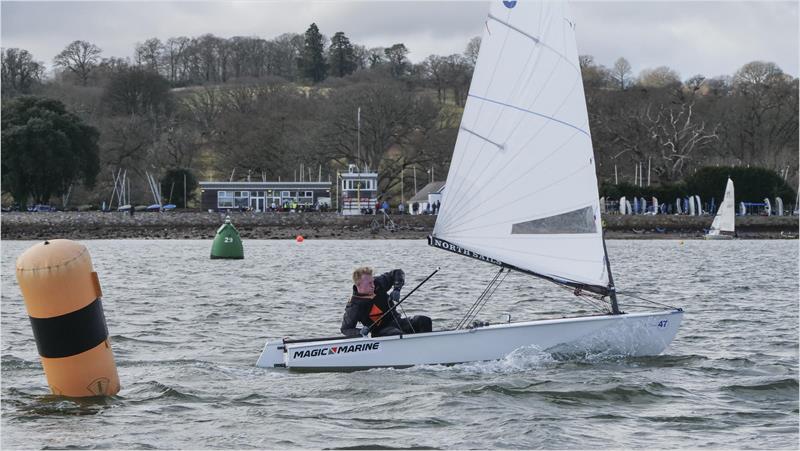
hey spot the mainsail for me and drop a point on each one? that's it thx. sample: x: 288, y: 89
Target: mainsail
x: 522, y: 190
x: 725, y: 219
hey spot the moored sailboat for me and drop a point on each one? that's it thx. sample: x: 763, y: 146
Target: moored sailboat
x: 724, y: 225
x: 522, y: 195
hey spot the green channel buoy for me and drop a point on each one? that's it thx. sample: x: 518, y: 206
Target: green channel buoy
x: 227, y: 243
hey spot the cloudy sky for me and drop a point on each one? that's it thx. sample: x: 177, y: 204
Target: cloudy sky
x: 692, y: 37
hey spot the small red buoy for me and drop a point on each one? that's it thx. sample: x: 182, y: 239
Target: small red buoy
x: 299, y: 238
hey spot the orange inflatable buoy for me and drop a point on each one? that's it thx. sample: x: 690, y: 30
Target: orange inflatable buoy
x: 62, y: 295
x: 299, y: 238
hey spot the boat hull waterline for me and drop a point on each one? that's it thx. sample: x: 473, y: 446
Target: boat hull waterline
x: 719, y: 236
x: 637, y: 334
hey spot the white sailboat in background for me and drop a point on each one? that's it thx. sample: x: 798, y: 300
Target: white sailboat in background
x: 521, y: 194
x: 724, y: 225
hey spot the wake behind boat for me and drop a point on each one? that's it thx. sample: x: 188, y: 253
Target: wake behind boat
x: 524, y: 138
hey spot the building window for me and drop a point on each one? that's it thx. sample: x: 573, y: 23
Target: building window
x: 225, y: 199
x: 242, y: 199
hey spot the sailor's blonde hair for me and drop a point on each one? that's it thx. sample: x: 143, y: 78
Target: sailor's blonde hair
x: 360, y: 272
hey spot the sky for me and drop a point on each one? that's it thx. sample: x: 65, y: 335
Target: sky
x: 691, y: 37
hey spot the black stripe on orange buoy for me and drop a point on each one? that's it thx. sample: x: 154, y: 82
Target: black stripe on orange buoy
x: 72, y: 333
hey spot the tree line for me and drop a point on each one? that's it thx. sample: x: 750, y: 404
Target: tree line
x: 250, y: 108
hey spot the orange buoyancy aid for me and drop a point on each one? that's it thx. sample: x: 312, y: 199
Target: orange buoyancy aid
x: 375, y: 313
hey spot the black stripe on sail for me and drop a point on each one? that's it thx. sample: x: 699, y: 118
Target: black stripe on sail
x: 72, y: 333
x: 448, y: 246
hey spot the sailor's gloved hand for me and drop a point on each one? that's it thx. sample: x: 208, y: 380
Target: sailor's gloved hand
x: 394, y: 296
x: 399, y: 279
x: 364, y: 331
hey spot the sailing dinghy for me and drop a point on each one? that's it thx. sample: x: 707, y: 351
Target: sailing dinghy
x: 522, y: 195
x: 724, y: 225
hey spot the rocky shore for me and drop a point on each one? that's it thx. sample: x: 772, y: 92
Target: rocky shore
x: 203, y: 225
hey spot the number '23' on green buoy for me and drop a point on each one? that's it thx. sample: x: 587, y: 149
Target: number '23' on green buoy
x: 227, y: 243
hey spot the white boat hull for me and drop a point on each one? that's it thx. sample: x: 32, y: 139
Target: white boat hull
x: 638, y: 334
x: 719, y: 236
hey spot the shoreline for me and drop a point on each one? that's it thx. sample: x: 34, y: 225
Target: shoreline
x: 203, y: 225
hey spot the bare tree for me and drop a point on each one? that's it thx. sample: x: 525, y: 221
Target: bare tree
x: 471, y: 52
x: 172, y: 55
x: 80, y: 57
x: 660, y: 77
x: 19, y: 71
x: 763, y: 125
x: 149, y: 55
x: 621, y: 73
x: 376, y: 57
x: 679, y: 134
x: 435, y: 71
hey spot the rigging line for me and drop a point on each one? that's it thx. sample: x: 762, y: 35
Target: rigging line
x: 536, y: 40
x: 594, y: 304
x: 625, y: 293
x: 478, y: 299
x: 480, y: 305
x: 527, y: 143
x: 454, y: 229
x: 562, y: 281
x: 403, y: 311
x: 486, y: 299
x: 596, y: 301
x: 457, y: 189
x: 485, y: 290
x: 477, y: 302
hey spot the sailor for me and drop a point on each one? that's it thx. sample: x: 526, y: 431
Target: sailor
x: 372, y: 297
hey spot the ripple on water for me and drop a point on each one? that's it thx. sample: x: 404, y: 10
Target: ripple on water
x: 185, y: 353
x: 774, y: 390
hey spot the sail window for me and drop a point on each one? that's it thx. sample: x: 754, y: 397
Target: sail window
x: 577, y: 221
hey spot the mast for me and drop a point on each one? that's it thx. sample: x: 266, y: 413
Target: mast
x: 612, y: 291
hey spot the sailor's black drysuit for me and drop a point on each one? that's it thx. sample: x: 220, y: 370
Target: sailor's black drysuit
x: 367, y: 310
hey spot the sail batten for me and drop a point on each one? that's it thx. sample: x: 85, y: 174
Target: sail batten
x: 535, y: 39
x: 499, y: 146
x: 522, y: 187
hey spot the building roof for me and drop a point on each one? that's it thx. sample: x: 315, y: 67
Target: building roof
x: 264, y: 185
x: 430, y: 188
x: 355, y: 175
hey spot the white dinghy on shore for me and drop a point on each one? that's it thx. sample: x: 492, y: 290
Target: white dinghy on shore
x: 522, y: 195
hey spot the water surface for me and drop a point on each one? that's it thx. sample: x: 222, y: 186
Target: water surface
x: 187, y: 330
